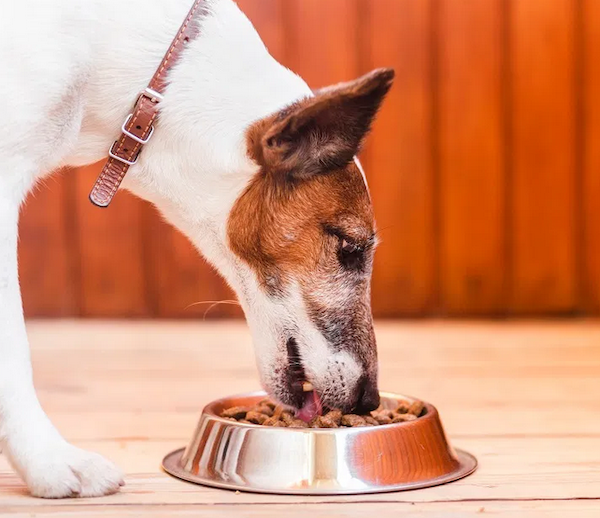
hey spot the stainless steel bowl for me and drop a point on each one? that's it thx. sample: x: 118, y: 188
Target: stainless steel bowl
x: 246, y: 457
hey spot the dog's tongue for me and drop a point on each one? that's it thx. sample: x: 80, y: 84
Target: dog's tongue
x: 311, y: 407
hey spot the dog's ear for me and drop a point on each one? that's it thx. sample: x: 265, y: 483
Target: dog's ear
x: 324, y: 132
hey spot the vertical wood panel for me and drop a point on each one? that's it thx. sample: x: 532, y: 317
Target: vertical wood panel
x: 443, y: 115
x: 591, y: 185
x: 112, y: 262
x: 544, y: 234
x: 471, y: 157
x: 45, y: 251
x: 268, y: 18
x: 399, y: 161
x: 322, y: 40
x: 183, y: 284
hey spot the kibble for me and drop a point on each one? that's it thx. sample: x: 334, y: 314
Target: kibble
x: 265, y: 410
x: 271, y: 421
x: 352, y: 420
x: 266, y: 413
x: 329, y: 420
x: 298, y: 423
x: 334, y: 416
x: 371, y: 421
x: 287, y: 417
x: 403, y: 418
x: 267, y: 403
x: 416, y: 408
x: 235, y: 412
x: 256, y: 417
x: 404, y: 407
x: 382, y: 419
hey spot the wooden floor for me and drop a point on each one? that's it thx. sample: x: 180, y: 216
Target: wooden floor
x: 523, y: 397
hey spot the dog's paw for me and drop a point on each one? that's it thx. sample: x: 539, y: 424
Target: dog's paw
x: 72, y: 472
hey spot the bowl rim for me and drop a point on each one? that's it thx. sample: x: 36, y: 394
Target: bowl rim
x: 208, y: 411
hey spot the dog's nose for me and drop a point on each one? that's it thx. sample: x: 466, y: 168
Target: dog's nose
x: 368, y: 396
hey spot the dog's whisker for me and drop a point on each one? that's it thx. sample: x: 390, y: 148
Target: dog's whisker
x: 213, y: 302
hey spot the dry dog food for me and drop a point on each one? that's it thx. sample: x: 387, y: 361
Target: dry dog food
x: 267, y: 414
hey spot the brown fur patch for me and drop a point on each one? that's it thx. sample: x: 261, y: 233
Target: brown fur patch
x: 308, y: 194
x: 279, y: 226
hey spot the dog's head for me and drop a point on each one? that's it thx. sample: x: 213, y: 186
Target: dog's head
x: 304, y: 227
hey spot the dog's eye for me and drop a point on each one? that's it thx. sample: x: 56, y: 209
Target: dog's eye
x: 351, y: 255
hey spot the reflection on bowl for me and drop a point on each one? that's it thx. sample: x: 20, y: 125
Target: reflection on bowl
x: 247, y: 457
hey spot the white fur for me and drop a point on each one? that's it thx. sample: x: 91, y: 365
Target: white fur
x: 70, y: 76
x: 362, y: 173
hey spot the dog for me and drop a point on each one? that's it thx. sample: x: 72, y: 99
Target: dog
x: 256, y: 169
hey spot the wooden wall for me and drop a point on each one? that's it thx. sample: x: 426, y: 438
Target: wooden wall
x: 484, y: 167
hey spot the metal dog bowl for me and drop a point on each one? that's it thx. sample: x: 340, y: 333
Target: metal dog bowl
x: 246, y: 457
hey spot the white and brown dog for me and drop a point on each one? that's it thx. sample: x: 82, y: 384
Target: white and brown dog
x: 258, y: 171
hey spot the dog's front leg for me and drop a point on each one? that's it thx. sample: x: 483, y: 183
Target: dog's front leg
x: 50, y: 466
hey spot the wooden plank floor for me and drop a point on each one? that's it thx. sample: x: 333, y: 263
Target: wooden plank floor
x: 523, y: 397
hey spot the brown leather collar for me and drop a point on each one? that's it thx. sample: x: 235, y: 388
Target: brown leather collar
x: 139, y: 124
